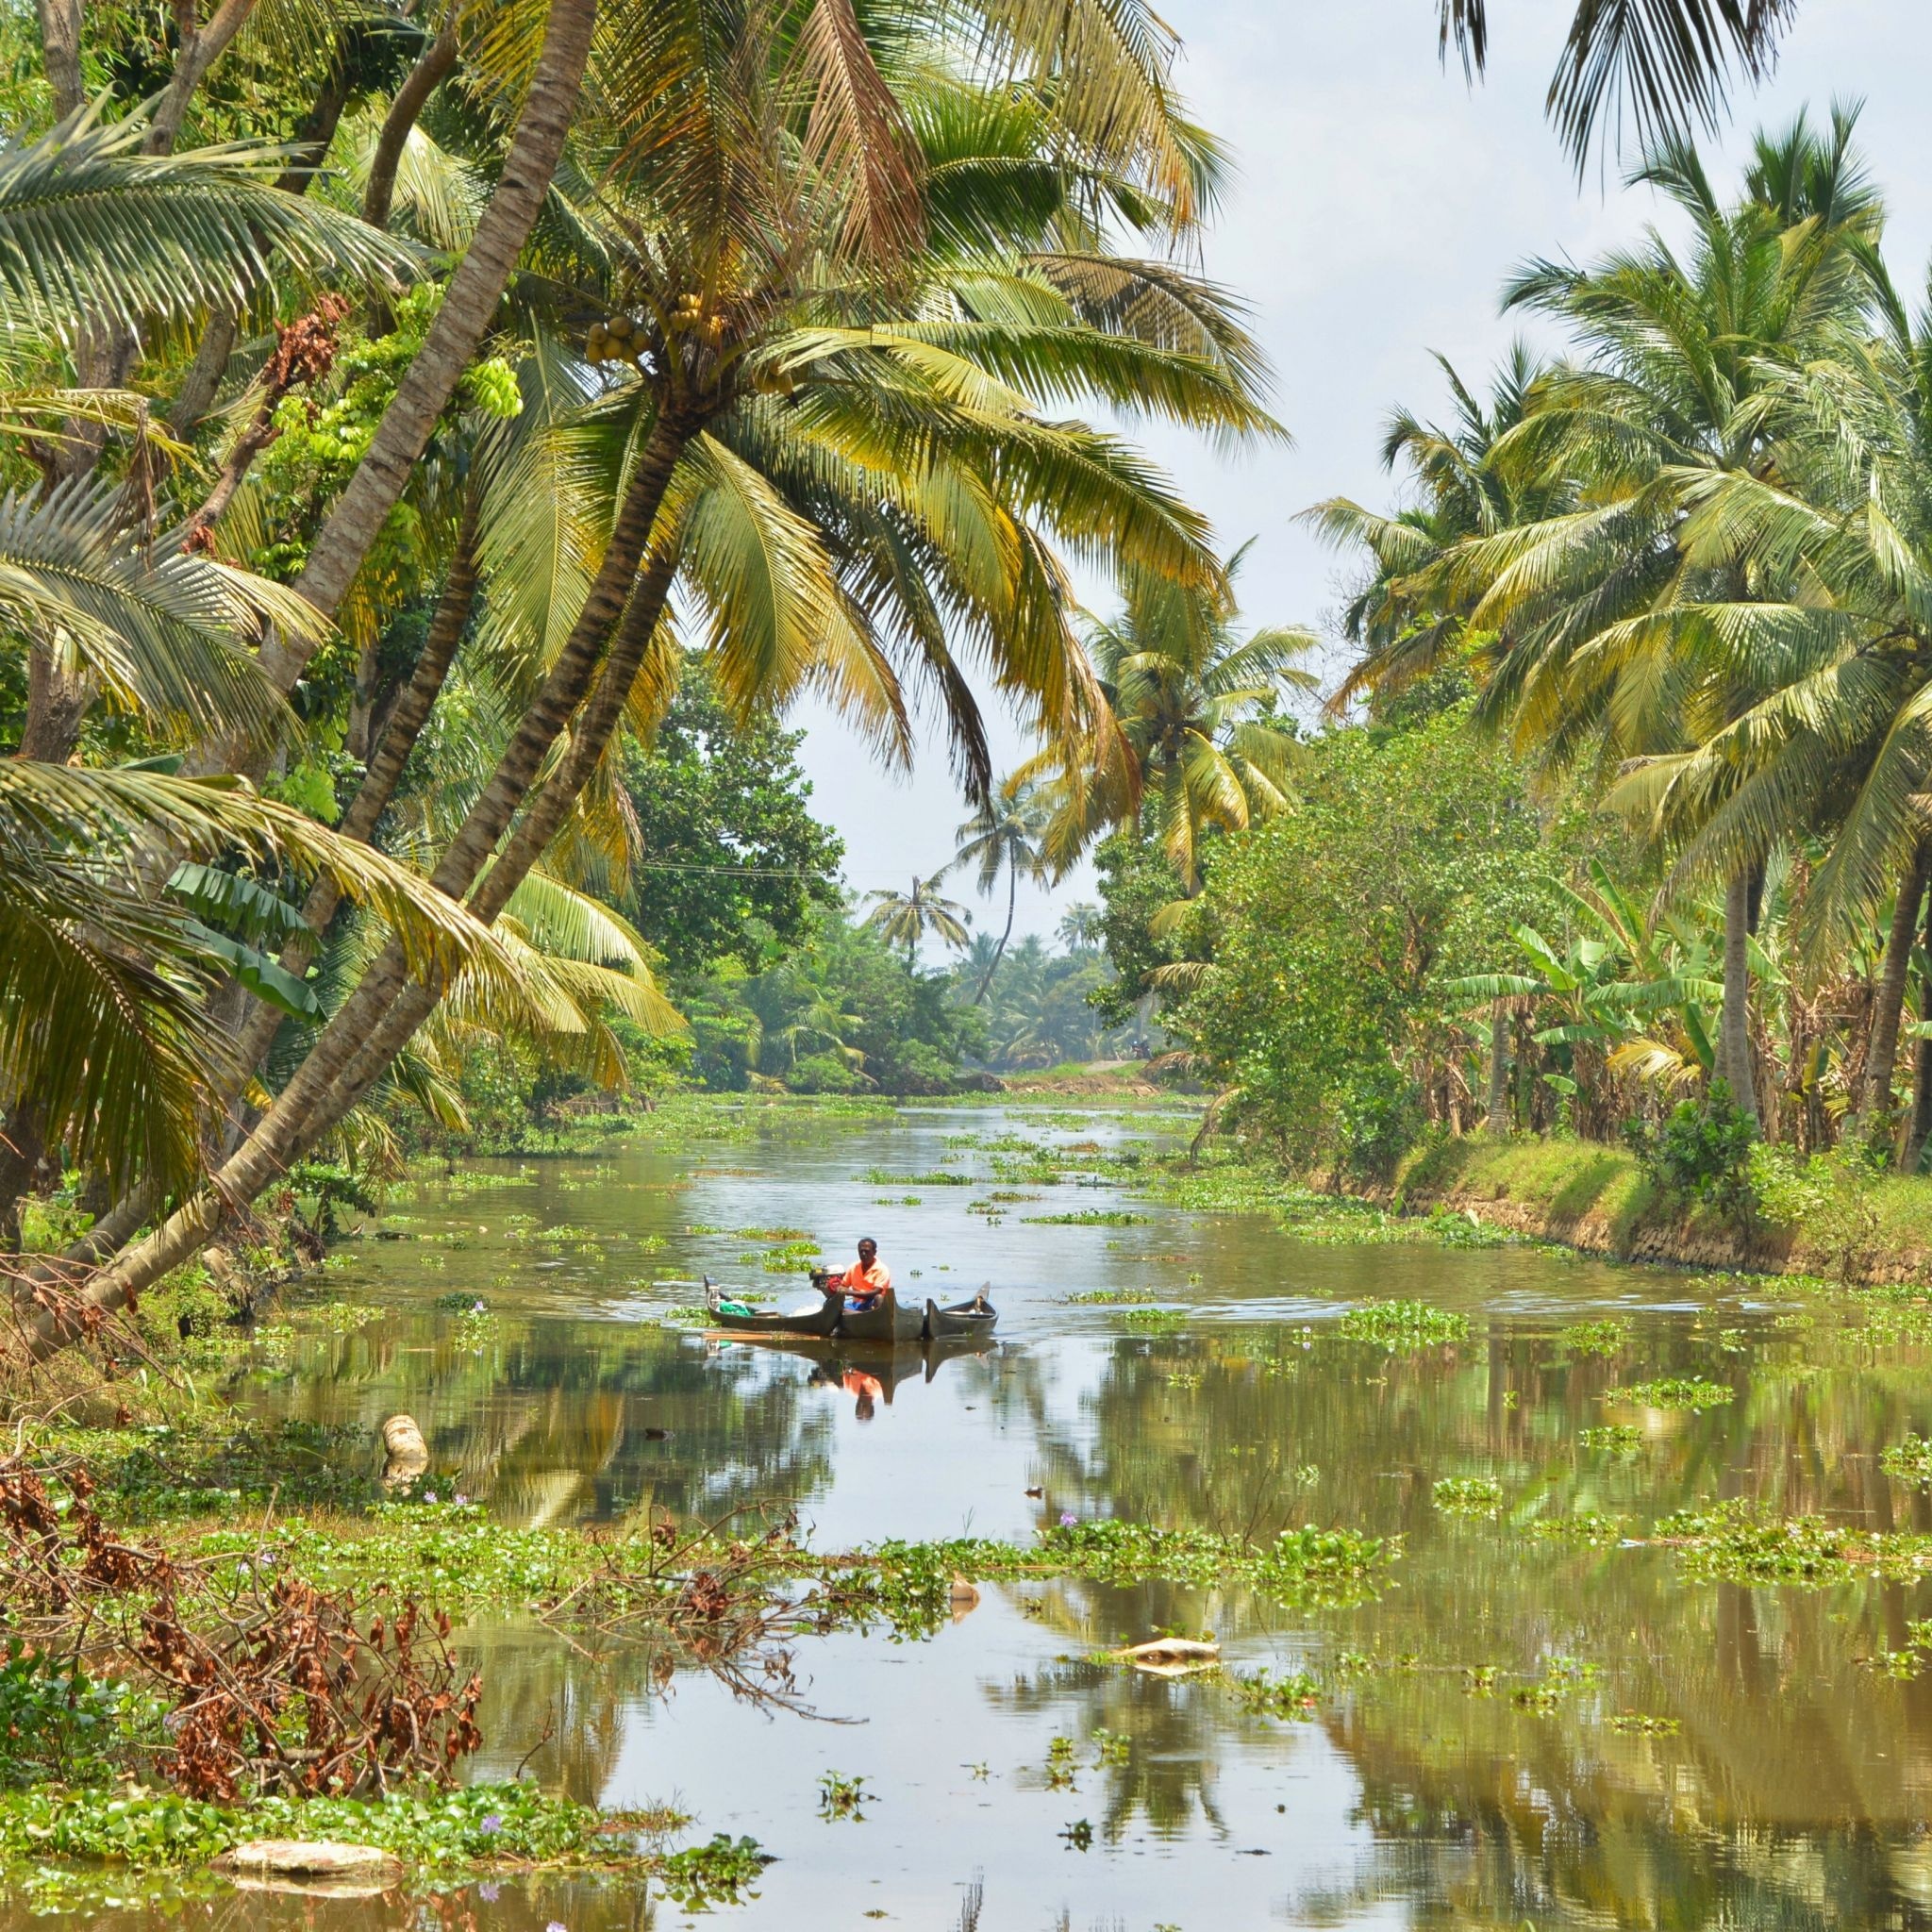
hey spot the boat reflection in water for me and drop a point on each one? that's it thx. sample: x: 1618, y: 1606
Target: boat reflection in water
x: 870, y: 1374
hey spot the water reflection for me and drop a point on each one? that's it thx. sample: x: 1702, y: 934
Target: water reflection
x: 1463, y: 1766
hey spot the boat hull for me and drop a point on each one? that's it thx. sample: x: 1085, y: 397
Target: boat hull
x: 887, y: 1321
x: 815, y: 1324
x: 961, y: 1319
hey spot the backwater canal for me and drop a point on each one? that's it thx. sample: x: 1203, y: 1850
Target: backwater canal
x: 1515, y: 1728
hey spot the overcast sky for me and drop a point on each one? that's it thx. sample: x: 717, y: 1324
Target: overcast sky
x: 1377, y: 205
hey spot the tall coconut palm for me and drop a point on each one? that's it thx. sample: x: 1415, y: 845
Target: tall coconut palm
x: 1405, y: 622
x: 844, y: 426
x: 908, y: 919
x: 1007, y: 834
x: 1618, y: 630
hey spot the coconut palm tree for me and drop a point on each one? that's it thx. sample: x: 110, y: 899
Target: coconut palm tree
x: 1621, y: 626
x: 1404, y: 620
x: 908, y: 919
x: 1007, y: 834
x: 105, y: 1028
x: 1197, y: 706
x: 840, y: 415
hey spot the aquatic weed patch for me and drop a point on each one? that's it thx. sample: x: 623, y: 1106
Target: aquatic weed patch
x: 1611, y: 1439
x: 1590, y: 1528
x: 1641, y: 1724
x: 1154, y: 1320
x: 1673, y: 1392
x: 150, y: 1474
x: 1610, y: 1336
x: 1111, y: 1297
x: 1910, y: 1461
x: 1305, y: 1567
x: 474, y: 1830
x: 1260, y: 1694
x: 1402, y: 1324
x: 1090, y: 1217
x: 1735, y: 1543
x: 1468, y: 1495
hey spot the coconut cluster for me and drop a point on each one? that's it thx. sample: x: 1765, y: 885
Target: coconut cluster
x: 617, y: 338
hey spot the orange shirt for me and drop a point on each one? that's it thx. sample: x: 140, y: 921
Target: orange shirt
x: 858, y: 1280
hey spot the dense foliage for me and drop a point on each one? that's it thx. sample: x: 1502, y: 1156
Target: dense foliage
x: 1616, y: 825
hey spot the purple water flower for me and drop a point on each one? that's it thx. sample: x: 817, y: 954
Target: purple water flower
x: 1068, y: 1519
x: 460, y: 1499
x: 490, y: 1892
x: 477, y: 1309
x: 556, y: 1925
x: 493, y: 1822
x: 429, y: 1496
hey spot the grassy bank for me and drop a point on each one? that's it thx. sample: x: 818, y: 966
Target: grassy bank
x: 1603, y: 1200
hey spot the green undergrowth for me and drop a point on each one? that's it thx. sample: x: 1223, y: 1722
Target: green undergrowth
x: 1232, y: 1178
x: 469, y: 1832
x: 448, y: 1553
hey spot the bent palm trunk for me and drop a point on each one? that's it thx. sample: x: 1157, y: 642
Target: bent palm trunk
x: 387, y: 1007
x: 466, y: 313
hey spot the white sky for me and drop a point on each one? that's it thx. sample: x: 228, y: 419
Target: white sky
x: 1378, y: 207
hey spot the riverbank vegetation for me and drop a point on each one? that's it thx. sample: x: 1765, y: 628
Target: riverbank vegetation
x: 1611, y: 834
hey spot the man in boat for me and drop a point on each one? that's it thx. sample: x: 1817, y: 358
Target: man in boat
x: 866, y: 1283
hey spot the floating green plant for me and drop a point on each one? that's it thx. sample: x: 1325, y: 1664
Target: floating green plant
x: 1293, y: 1696
x: 1468, y: 1495
x: 1614, y: 1438
x: 1607, y: 1337
x: 1673, y: 1392
x: 1404, y: 1325
x: 1910, y: 1463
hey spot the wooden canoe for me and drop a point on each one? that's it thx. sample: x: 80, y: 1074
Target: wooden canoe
x: 819, y: 1322
x: 976, y: 1317
x: 888, y: 1320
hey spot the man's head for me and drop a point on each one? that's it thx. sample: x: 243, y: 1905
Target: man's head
x: 868, y: 1251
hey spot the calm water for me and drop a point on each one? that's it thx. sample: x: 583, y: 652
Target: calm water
x: 1793, y: 1793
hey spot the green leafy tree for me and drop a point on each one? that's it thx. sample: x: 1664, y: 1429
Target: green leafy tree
x: 727, y: 860
x: 1331, y: 935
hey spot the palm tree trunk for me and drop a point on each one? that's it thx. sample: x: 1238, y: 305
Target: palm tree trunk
x: 1922, y: 1071
x: 999, y: 952
x: 378, y: 193
x: 1874, y: 1119
x: 1734, y: 1029
x: 386, y: 1007
x: 1498, y: 1117
x: 61, y: 55
x: 384, y: 772
x: 467, y: 311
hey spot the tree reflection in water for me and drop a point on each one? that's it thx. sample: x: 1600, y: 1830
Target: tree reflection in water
x: 1791, y: 1792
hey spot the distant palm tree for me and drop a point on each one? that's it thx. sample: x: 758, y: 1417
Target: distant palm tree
x: 906, y: 918
x: 1081, y: 926
x: 1006, y: 834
